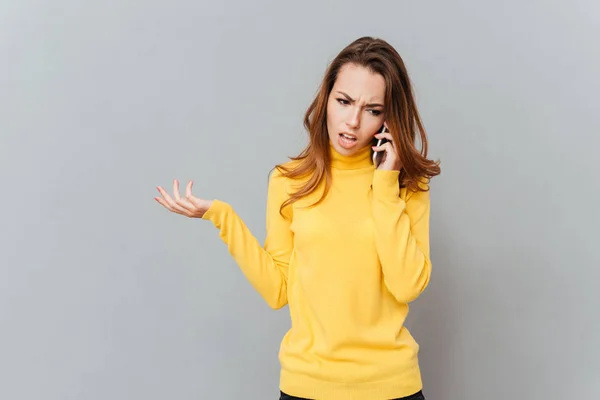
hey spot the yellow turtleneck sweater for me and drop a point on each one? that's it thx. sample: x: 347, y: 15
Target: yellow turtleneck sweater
x: 347, y: 268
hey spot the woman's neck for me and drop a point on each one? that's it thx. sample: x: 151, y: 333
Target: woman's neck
x: 360, y: 159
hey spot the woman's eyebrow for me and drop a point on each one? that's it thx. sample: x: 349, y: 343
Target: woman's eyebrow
x: 351, y: 100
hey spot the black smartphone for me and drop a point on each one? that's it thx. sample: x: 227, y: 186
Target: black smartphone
x: 378, y: 155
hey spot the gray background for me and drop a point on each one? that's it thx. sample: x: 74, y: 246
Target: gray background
x: 104, y: 294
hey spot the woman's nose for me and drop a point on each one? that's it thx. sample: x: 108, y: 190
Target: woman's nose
x: 353, y: 120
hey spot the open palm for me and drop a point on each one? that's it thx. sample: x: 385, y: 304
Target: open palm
x: 190, y: 205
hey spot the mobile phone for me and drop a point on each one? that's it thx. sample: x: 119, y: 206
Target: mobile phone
x: 378, y: 155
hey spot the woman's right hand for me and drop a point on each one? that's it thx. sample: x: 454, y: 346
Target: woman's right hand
x: 190, y: 205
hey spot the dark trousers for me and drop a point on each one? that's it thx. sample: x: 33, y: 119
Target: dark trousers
x: 416, y: 396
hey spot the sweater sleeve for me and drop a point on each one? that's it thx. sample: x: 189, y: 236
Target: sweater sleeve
x: 402, y: 236
x: 266, y: 267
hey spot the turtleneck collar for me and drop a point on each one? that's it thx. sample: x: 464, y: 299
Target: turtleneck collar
x: 360, y: 159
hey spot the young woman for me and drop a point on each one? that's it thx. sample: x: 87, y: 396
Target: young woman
x: 347, y: 245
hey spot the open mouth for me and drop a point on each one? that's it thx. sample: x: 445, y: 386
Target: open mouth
x: 347, y: 141
x: 351, y: 138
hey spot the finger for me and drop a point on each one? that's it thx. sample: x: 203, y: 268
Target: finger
x: 166, y: 205
x: 185, y: 202
x: 390, y: 154
x: 173, y: 206
x: 187, y: 205
x: 163, y: 203
x: 387, y: 147
x: 391, y: 141
x: 181, y: 204
x: 176, y: 190
x: 180, y: 208
x: 389, y: 137
x: 190, y: 201
x: 165, y: 196
x: 196, y: 201
x: 386, y: 135
x: 188, y: 190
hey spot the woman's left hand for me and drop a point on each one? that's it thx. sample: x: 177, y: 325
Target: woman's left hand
x: 391, y: 159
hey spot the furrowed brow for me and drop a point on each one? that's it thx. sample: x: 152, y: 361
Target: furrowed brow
x: 351, y: 100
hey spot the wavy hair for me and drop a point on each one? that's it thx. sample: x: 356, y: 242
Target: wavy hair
x: 401, y: 115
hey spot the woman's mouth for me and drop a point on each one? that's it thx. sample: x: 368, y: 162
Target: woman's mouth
x: 347, y: 141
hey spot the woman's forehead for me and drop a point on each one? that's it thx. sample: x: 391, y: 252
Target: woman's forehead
x: 359, y: 82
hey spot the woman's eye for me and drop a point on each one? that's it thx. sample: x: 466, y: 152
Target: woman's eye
x: 346, y: 102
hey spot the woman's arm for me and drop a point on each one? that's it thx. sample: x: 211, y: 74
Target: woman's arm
x: 266, y: 267
x: 401, y: 236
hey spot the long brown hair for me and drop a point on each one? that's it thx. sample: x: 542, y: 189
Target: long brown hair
x: 401, y: 115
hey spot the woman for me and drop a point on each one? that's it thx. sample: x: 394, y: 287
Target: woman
x: 347, y: 243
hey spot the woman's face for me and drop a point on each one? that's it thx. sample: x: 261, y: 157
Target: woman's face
x: 355, y: 108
